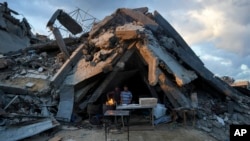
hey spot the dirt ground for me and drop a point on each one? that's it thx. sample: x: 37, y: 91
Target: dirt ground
x: 163, y: 132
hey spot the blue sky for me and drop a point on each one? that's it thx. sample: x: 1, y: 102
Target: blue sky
x: 217, y: 30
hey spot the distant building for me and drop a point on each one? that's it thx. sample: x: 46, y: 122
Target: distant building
x: 243, y: 84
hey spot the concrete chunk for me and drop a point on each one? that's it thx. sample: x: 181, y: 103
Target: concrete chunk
x: 140, y: 17
x: 66, y: 104
x: 129, y: 31
x: 20, y: 132
x: 29, y: 85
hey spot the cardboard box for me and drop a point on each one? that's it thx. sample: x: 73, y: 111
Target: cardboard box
x: 148, y: 101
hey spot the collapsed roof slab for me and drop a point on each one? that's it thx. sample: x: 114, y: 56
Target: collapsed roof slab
x: 184, y: 52
x: 203, y: 72
x: 59, y: 77
x: 128, y: 31
x: 143, y: 10
x: 84, y: 70
x: 171, y: 32
x: 152, y: 52
x: 140, y: 17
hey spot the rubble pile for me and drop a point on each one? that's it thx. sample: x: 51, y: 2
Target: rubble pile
x: 25, y: 68
x: 136, y: 48
x: 15, y: 33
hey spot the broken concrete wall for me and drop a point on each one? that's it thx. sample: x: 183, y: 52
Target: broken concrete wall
x: 15, y: 34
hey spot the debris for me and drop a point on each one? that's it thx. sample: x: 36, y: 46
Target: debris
x: 40, y: 69
x: 194, y: 100
x: 19, y: 132
x: 140, y: 17
x: 163, y: 119
x: 104, y: 40
x: 23, y: 72
x: 69, y: 23
x: 10, y: 102
x: 129, y: 31
x: 159, y: 111
x: 65, y: 107
x: 130, y: 47
x: 56, y: 138
x: 15, y: 33
x: 29, y: 85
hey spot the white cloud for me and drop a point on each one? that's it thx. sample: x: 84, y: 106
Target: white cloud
x: 220, y: 60
x: 224, y: 23
x: 218, y: 31
x: 244, y: 74
x: 244, y: 67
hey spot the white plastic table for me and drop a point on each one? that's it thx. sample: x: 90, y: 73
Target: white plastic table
x: 137, y: 106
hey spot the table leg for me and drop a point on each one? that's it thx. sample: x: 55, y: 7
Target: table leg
x: 122, y: 121
x: 128, y: 129
x: 152, y: 117
x: 105, y: 128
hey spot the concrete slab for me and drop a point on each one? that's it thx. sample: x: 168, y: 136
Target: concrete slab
x: 66, y: 103
x: 19, y: 132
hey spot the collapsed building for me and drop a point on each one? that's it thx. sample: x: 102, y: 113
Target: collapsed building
x: 130, y: 47
x: 15, y: 34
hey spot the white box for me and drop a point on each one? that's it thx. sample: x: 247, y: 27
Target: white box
x: 148, y: 101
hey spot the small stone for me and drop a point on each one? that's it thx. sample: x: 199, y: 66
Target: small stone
x: 23, y: 72
x: 226, y: 118
x: 220, y: 120
x: 217, y: 124
x: 29, y: 85
x: 85, y: 52
x: 206, y: 129
x: 40, y: 69
x: 44, y: 54
x: 88, y: 57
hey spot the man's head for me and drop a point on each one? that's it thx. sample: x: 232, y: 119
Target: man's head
x: 125, y: 88
x: 117, y: 88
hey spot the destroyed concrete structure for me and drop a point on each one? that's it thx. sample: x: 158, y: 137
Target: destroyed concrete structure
x: 15, y: 34
x: 136, y: 48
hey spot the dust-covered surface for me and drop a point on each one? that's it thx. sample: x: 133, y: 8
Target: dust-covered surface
x: 171, y: 132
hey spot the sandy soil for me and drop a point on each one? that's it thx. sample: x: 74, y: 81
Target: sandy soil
x: 163, y: 132
x: 40, y: 84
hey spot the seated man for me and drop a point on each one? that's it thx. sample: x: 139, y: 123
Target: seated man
x: 126, y: 96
